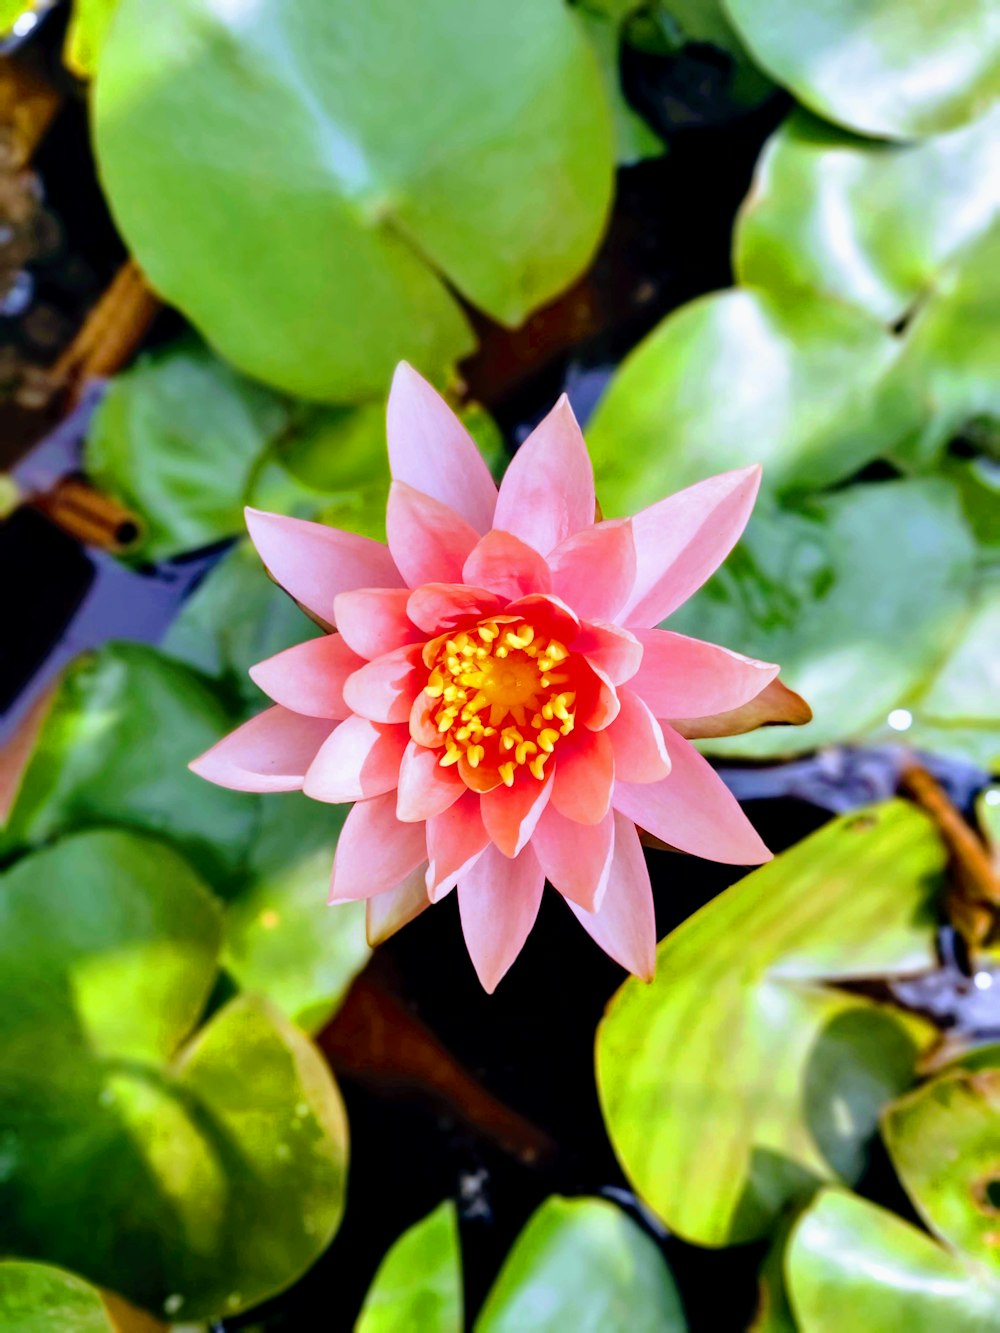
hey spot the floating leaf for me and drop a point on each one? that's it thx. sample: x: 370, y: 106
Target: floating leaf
x: 944, y: 1140
x: 582, y: 1264
x: 791, y: 381
x: 666, y: 26
x: 114, y: 749
x: 35, y: 1298
x: 857, y: 595
x: 847, y: 1256
x: 869, y: 65
x: 285, y: 178
x: 868, y: 223
x: 419, y: 1282
x: 634, y: 139
x: 740, y: 1078
x: 196, y: 1180
x: 85, y: 36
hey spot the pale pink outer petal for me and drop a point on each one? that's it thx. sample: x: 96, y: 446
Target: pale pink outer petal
x: 429, y: 542
x: 507, y: 566
x: 454, y: 841
x: 373, y: 621
x: 309, y: 678
x: 547, y: 492
x: 637, y: 740
x: 692, y: 809
x: 375, y: 851
x: 271, y: 752
x: 359, y: 760
x: 576, y: 858
x: 313, y: 562
x: 390, y: 911
x: 584, y: 777
x: 616, y: 653
x: 384, y: 690
x: 437, y: 607
x: 776, y: 703
x: 682, y: 540
x: 425, y: 788
x: 498, y: 901
x: 625, y: 925
x: 510, y: 814
x: 683, y: 677
x: 431, y: 450
x: 594, y: 570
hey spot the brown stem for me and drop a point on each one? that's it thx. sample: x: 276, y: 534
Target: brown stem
x: 28, y: 103
x: 89, y: 515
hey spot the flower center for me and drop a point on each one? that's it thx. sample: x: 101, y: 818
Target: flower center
x: 501, y: 698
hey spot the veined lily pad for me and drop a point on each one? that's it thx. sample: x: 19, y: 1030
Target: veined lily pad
x: 741, y: 1078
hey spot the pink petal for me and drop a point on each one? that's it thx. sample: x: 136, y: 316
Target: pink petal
x: 549, y: 615
x: 625, y: 924
x: 313, y: 562
x: 309, y: 678
x: 390, y: 911
x: 455, y: 840
x: 360, y: 759
x: 505, y: 565
x: 682, y: 677
x: 431, y: 450
x: 637, y: 739
x: 584, y: 777
x: 271, y: 752
x: 425, y: 788
x: 776, y: 703
x: 683, y: 539
x: 437, y: 607
x: 373, y: 621
x: 692, y: 809
x: 429, y: 542
x: 423, y: 728
x: 498, y: 901
x: 576, y: 858
x: 375, y: 852
x: 510, y: 814
x: 384, y: 690
x: 547, y: 493
x: 616, y: 653
x: 594, y: 570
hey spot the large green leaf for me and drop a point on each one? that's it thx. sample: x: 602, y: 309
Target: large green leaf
x: 944, y: 1140
x: 858, y: 595
x: 306, y: 181
x: 282, y: 938
x: 879, y: 66
x: 851, y: 1265
x: 582, y: 1264
x: 740, y: 1079
x: 35, y: 1298
x: 869, y: 223
x: 792, y: 381
x: 195, y: 1179
x: 418, y: 1285
x: 634, y: 139
x: 114, y: 749
x: 177, y: 437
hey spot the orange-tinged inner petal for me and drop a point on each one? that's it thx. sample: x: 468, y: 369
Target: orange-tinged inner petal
x: 501, y: 696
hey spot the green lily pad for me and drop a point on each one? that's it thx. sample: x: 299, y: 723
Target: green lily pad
x: 282, y: 938
x: 667, y: 26
x: 582, y: 1264
x: 740, y: 1079
x: 858, y: 595
x: 114, y: 749
x: 177, y: 437
x: 849, y: 1260
x: 88, y: 27
x: 635, y: 140
x: 873, y: 65
x: 944, y: 1141
x: 195, y: 1178
x: 792, y: 381
x: 308, y: 186
x: 36, y: 1298
x: 419, y: 1282
x: 868, y: 223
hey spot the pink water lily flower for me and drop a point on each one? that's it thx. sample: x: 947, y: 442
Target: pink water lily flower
x: 495, y: 698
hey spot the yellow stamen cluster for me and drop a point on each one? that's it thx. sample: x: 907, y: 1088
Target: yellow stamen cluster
x: 501, y: 701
